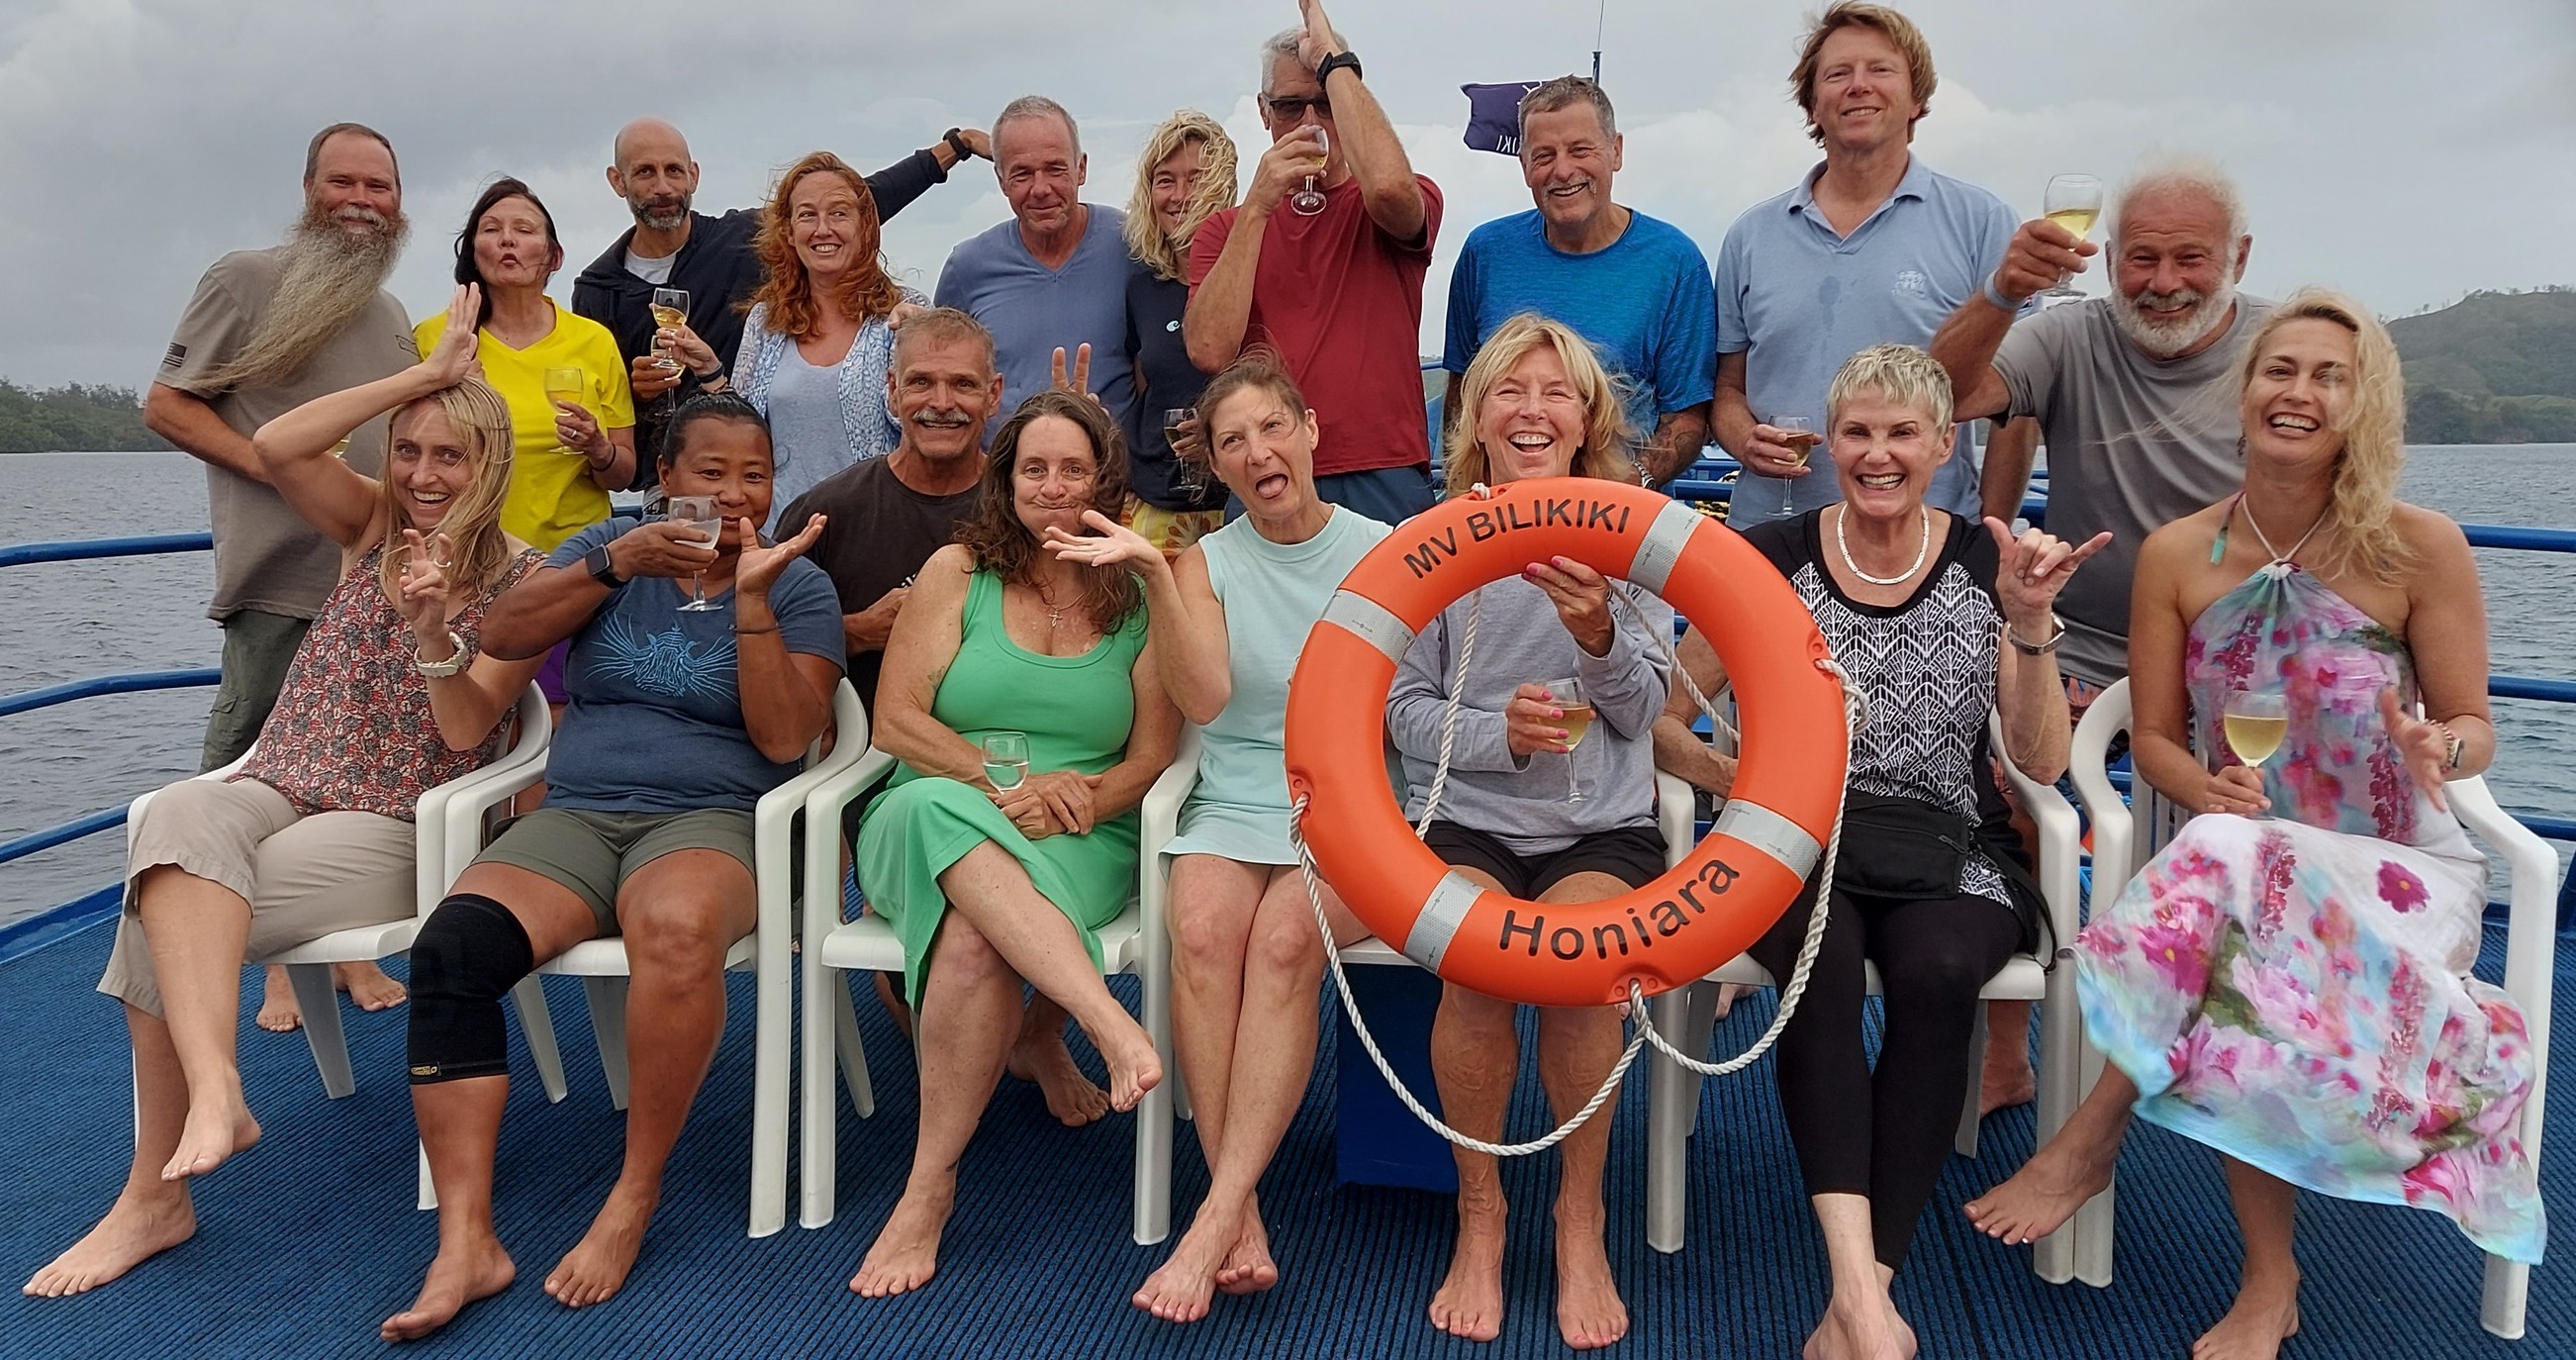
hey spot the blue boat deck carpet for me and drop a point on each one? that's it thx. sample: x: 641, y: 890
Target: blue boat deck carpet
x: 305, y: 1242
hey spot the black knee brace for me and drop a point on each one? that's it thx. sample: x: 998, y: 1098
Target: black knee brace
x: 468, y: 955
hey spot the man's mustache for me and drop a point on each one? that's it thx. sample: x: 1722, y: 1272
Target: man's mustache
x: 941, y: 420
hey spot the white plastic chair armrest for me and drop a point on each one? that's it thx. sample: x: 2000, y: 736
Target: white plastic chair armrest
x: 2110, y: 815
x: 824, y: 799
x: 2061, y: 844
x: 507, y: 773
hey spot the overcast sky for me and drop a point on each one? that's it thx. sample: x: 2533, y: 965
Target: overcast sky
x: 2407, y: 151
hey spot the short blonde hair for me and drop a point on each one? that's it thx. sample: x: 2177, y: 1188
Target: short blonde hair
x: 1895, y: 27
x: 1901, y: 373
x: 1167, y: 257
x: 2361, y: 530
x: 1607, y: 435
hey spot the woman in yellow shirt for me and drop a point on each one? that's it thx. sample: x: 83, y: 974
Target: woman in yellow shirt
x: 568, y: 455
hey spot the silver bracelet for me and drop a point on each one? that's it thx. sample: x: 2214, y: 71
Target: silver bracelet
x: 453, y: 665
x: 2041, y: 648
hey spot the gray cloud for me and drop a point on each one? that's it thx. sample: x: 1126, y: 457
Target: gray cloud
x: 2405, y: 152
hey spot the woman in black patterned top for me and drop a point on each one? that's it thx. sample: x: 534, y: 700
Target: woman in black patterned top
x: 1938, y: 620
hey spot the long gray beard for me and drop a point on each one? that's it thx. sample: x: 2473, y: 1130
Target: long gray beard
x: 325, y: 279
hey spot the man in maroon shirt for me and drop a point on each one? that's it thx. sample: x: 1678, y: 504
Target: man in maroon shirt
x: 1337, y: 291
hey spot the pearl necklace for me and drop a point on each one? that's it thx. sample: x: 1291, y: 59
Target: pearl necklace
x: 1921, y: 550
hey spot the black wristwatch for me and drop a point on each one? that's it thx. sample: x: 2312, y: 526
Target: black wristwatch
x: 1336, y: 62
x: 956, y: 139
x: 602, y: 568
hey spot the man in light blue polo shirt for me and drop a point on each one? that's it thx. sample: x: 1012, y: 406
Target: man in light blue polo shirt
x: 1873, y: 247
x: 1637, y: 288
x: 1055, y: 275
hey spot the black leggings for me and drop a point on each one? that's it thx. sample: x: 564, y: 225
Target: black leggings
x: 1884, y: 1134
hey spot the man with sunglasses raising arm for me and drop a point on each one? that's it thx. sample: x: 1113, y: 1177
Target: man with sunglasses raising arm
x: 1323, y: 262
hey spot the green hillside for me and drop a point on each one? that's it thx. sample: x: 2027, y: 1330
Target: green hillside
x: 73, y: 418
x: 2492, y: 368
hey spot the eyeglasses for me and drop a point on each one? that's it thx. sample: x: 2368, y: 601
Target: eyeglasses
x: 1290, y: 108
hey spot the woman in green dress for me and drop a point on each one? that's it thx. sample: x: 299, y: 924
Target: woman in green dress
x: 988, y: 889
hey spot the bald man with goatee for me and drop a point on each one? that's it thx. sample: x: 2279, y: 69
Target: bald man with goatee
x: 673, y: 246
x: 268, y: 331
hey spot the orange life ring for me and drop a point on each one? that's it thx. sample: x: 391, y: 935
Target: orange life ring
x: 1731, y: 887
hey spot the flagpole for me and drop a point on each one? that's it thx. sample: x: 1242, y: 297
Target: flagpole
x: 1600, y: 19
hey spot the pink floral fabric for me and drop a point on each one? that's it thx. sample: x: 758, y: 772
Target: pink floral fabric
x: 2295, y: 991
x: 352, y: 730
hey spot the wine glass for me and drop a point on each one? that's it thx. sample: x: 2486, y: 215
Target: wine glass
x: 565, y: 385
x: 1799, y: 433
x: 1309, y: 201
x: 1006, y: 759
x: 1179, y: 427
x: 1577, y: 720
x: 670, y: 312
x: 699, y: 513
x: 2073, y: 202
x: 2255, y: 725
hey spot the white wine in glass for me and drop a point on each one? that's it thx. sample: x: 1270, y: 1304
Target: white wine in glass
x: 1577, y: 707
x: 2256, y: 724
x: 2075, y: 203
x: 1006, y: 759
x: 700, y: 514
x: 1309, y: 201
x: 565, y: 385
x: 1799, y: 433
x: 670, y: 309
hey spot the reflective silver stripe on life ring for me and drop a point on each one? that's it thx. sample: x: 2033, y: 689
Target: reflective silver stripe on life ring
x: 1442, y: 913
x: 1371, y: 623
x: 1770, y: 833
x: 1665, y: 539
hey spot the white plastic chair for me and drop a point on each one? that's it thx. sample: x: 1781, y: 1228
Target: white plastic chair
x: 602, y: 965
x: 308, y: 965
x: 2122, y: 834
x: 834, y: 948
x: 1689, y: 1014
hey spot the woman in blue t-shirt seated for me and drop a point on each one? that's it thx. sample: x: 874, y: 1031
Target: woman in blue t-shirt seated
x: 680, y: 720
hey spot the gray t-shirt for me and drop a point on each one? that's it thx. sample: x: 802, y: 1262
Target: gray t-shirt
x: 1032, y: 310
x: 2134, y: 443
x: 653, y: 269
x: 266, y: 557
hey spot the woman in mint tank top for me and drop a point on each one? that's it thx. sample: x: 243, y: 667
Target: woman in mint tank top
x: 1228, y: 619
x: 989, y: 888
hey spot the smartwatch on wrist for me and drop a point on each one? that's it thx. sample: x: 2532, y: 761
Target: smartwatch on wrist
x: 956, y: 139
x: 603, y: 569
x: 1338, y: 61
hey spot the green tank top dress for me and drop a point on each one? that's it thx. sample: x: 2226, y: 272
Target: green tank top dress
x: 1077, y: 711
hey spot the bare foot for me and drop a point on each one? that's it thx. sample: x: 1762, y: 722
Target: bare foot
x: 2038, y: 1199
x: 2264, y: 1316
x: 1588, y: 1310
x: 906, y: 1252
x: 1179, y: 1290
x: 1134, y: 1066
x: 278, y: 1011
x: 595, y: 1269
x: 2007, y: 1081
x: 1470, y: 1301
x: 455, y: 1279
x: 1249, y: 1269
x: 1071, y: 1096
x: 216, y: 1131
x: 134, y: 1231
x: 1860, y: 1330
x: 367, y: 985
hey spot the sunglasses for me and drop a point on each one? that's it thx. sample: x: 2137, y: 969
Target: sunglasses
x: 1290, y: 108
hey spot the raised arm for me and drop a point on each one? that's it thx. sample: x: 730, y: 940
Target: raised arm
x: 553, y: 604
x: 1220, y: 307
x: 466, y: 705
x: 786, y: 696
x: 1369, y: 144
x: 2030, y: 571
x: 1966, y: 343
x: 294, y: 450
x: 1679, y: 751
x: 1184, y: 620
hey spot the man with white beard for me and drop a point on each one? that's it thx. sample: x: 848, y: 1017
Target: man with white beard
x: 268, y: 331
x: 2122, y: 386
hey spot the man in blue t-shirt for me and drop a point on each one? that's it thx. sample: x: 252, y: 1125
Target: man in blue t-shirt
x: 1052, y: 278
x: 1637, y: 288
x: 1872, y: 248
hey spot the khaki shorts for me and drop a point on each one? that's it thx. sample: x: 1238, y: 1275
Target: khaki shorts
x: 1173, y: 531
x: 594, y: 853
x: 304, y: 876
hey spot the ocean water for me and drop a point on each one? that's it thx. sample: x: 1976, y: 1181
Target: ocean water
x: 64, y: 621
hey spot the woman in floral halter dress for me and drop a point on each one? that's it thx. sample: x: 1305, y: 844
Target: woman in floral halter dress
x: 2288, y: 981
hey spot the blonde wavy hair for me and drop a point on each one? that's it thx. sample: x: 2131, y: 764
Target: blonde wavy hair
x: 1607, y: 435
x: 2360, y: 530
x: 1168, y: 256
x: 481, y: 420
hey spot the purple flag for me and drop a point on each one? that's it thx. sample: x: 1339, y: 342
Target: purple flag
x: 1494, y: 115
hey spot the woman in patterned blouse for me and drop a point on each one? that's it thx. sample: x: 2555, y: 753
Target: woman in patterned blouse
x: 385, y: 699
x: 1939, y: 621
